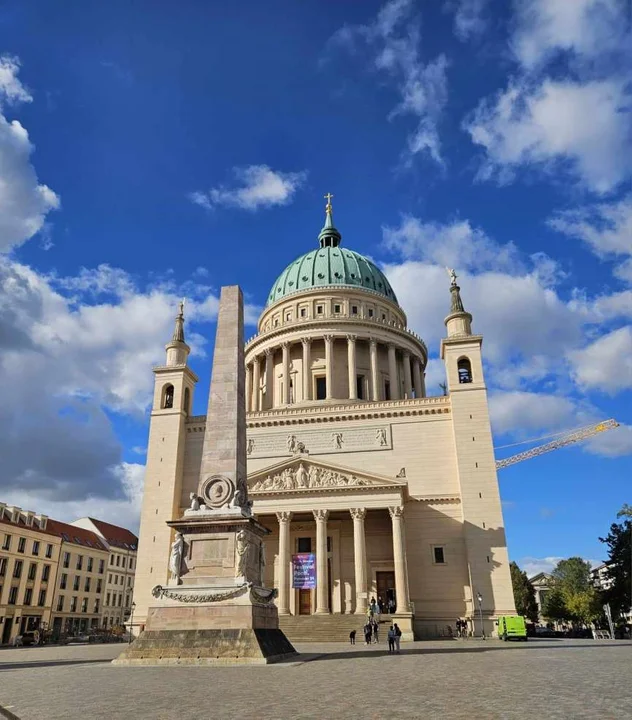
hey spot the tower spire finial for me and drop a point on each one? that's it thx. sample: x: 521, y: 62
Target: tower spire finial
x: 178, y: 332
x: 329, y: 236
x: 458, y: 321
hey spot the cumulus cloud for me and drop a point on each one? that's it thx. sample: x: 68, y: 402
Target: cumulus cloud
x: 534, y: 566
x: 258, y: 186
x: 530, y: 411
x: 392, y: 41
x: 605, y: 364
x: 565, y: 125
x: 24, y: 202
x: 469, y: 18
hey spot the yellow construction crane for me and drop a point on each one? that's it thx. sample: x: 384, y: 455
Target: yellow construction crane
x: 562, y: 440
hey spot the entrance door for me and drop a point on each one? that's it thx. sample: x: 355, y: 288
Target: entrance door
x: 385, y: 582
x: 6, y: 633
x: 304, y: 602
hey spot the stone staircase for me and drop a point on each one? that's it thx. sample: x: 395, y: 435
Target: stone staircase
x: 328, y: 628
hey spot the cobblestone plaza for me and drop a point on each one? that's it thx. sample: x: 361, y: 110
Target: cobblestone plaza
x: 450, y: 679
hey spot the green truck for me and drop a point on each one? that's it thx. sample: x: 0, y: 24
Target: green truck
x: 511, y: 627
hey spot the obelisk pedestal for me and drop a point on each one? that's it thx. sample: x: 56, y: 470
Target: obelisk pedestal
x: 215, y: 609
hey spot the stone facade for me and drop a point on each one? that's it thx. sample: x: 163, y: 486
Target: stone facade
x: 395, y: 492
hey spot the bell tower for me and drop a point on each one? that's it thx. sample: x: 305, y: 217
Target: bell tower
x: 172, y: 403
x: 484, y: 530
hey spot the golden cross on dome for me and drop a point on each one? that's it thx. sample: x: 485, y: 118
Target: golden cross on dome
x: 328, y: 197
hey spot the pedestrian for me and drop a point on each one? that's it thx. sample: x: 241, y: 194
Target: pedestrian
x: 376, y: 630
x: 380, y: 603
x: 459, y: 628
x: 367, y: 633
x: 373, y: 606
x: 391, y: 639
x: 398, y: 636
x: 352, y: 635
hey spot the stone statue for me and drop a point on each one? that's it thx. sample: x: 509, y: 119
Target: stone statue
x: 250, y: 446
x: 337, y: 439
x: 262, y: 562
x: 302, y: 479
x: 240, y: 499
x: 195, y: 501
x: 175, y: 559
x: 452, y: 275
x: 380, y: 436
x: 241, y: 549
x: 291, y: 443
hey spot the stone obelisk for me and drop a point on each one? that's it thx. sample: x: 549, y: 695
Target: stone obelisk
x: 215, y: 609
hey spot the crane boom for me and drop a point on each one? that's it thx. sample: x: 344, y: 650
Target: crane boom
x: 560, y: 442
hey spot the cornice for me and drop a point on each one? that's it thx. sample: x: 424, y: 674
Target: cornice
x: 161, y: 369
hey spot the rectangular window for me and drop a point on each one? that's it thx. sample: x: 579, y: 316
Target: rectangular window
x: 17, y: 569
x: 75, y: 584
x: 383, y: 316
x: 360, y: 387
x: 87, y: 585
x: 60, y: 603
x: 127, y: 601
x: 32, y: 571
x: 6, y: 545
x: 321, y: 388
x: 73, y: 604
x: 288, y: 317
x: 320, y: 309
x: 63, y: 581
x: 96, y: 605
x: 45, y: 573
x: 89, y: 564
x: 118, y: 560
x: 387, y: 390
x: 116, y: 579
x: 49, y: 551
x: 84, y: 605
x: 66, y: 559
x: 28, y: 596
x: 438, y: 554
x: 303, y: 312
x: 336, y: 308
x: 21, y: 544
x: 107, y: 599
x: 354, y: 309
x: 79, y: 562
x: 305, y: 545
x: 13, y: 595
x: 131, y: 563
x: 101, y: 567
x: 123, y: 562
x: 370, y: 312
x: 109, y: 578
x: 99, y: 585
x: 120, y: 599
x: 129, y: 581
x: 41, y: 600
x: 36, y: 547
x: 3, y: 566
x: 111, y: 559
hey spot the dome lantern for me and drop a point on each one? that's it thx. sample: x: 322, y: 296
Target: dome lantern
x: 329, y: 235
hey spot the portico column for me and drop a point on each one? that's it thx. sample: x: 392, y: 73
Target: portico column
x: 329, y: 356
x: 408, y: 381
x: 392, y: 372
x: 399, y: 559
x: 285, y: 399
x: 283, y: 603
x: 307, y: 368
x: 249, y: 405
x: 256, y: 383
x: 359, y: 556
x: 268, y: 379
x: 417, y: 377
x: 322, y: 605
x: 375, y: 387
x: 351, y: 361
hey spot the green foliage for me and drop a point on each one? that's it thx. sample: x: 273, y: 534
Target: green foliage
x: 572, y: 595
x: 554, y: 606
x: 619, y: 542
x: 524, y: 594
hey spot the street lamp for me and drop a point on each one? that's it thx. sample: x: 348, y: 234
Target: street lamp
x: 131, y: 622
x: 479, y: 597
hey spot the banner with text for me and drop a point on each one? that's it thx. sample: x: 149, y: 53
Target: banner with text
x: 304, y: 571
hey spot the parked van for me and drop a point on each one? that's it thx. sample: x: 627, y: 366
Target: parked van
x: 511, y: 627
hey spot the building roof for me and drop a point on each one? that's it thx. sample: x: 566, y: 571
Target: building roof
x: 75, y: 535
x: 115, y: 535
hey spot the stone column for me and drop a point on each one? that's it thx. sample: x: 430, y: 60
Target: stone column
x: 329, y: 360
x: 307, y: 368
x: 351, y: 360
x: 322, y: 594
x: 268, y: 378
x: 283, y: 602
x: 399, y: 559
x: 392, y: 372
x: 256, y: 385
x: 359, y: 556
x: 285, y: 398
x: 408, y: 380
x: 249, y: 405
x: 375, y: 385
x: 417, y: 377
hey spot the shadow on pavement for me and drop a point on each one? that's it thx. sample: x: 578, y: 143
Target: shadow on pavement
x: 47, y: 663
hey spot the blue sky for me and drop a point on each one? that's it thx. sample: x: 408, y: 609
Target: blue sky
x: 151, y: 150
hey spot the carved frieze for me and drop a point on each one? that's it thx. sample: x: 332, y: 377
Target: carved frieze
x: 306, y: 476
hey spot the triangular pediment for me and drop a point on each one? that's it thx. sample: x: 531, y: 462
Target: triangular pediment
x: 303, y: 474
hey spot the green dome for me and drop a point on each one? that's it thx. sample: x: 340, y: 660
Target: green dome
x: 326, y: 266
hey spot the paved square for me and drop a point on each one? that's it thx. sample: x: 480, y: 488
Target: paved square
x: 451, y: 679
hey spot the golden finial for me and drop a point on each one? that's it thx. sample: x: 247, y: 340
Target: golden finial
x: 328, y: 207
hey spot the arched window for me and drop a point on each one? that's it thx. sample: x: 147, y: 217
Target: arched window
x: 187, y: 400
x: 167, y: 397
x: 465, y: 370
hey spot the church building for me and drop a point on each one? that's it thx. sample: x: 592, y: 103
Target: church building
x: 392, y: 494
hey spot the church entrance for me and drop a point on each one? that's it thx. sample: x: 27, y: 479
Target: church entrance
x: 304, y: 602
x: 385, y: 582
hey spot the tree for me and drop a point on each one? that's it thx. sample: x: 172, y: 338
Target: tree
x: 554, y: 606
x: 524, y: 593
x: 572, y: 595
x: 619, y: 564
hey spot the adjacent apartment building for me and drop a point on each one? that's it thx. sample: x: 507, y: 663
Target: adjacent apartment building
x: 69, y: 578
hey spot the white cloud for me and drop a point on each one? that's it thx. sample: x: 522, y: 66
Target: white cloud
x: 605, y: 364
x: 469, y: 18
x: 578, y: 127
x: 534, y: 566
x: 612, y: 443
x: 527, y: 412
x: 24, y: 202
x: 258, y: 186
x: 456, y: 244
x: 393, y: 41
x: 589, y: 29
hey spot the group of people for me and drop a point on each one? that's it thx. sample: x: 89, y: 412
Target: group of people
x: 371, y: 628
x: 462, y: 630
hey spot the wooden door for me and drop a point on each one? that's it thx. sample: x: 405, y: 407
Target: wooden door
x: 385, y: 582
x: 304, y: 602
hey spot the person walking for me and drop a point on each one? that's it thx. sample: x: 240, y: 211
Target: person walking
x: 398, y: 635
x: 391, y: 639
x: 376, y: 631
x: 367, y: 633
